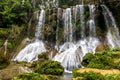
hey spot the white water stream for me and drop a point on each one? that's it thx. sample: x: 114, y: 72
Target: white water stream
x: 31, y: 51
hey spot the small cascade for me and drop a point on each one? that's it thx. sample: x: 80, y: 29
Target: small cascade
x: 88, y: 45
x: 113, y: 37
x: 68, y: 30
x: 69, y: 56
x: 78, y: 11
x: 82, y: 21
x: 31, y: 51
x: 57, y: 30
x: 91, y: 22
x: 41, y: 22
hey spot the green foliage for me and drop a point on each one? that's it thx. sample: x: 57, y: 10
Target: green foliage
x: 118, y: 65
x: 106, y: 59
x: 1, y: 43
x: 4, y: 62
x: 95, y: 76
x: 101, y: 60
x: 29, y: 76
x: 88, y: 75
x: 41, y: 58
x: 13, y: 12
x: 67, y: 3
x: 75, y: 73
x: 116, y: 49
x: 37, y: 63
x: 43, y: 55
x: 4, y: 33
x: 111, y: 77
x: 87, y: 58
x: 50, y: 67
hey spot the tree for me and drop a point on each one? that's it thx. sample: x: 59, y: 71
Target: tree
x: 13, y: 12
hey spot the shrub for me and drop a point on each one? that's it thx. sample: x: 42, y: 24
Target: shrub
x: 50, y: 67
x: 75, y: 73
x: 88, y: 75
x: 101, y: 60
x: 95, y: 76
x: 118, y: 65
x: 43, y: 55
x: 92, y: 76
x: 87, y: 58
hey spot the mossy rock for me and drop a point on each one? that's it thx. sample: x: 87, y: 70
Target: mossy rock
x: 100, y: 47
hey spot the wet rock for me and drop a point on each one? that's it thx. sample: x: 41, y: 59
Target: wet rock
x: 100, y: 47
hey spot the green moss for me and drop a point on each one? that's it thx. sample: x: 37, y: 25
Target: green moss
x: 88, y: 75
x: 29, y: 76
x: 95, y: 76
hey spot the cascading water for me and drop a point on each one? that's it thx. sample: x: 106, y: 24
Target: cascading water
x: 82, y: 21
x: 75, y: 25
x: 71, y: 53
x: 113, y: 37
x: 91, y: 22
x: 68, y: 30
x: 57, y: 30
x: 41, y: 22
x: 31, y: 51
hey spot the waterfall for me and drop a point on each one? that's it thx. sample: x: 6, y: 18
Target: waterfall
x: 69, y: 56
x: 68, y: 30
x: 91, y: 22
x: 113, y: 37
x: 41, y: 22
x: 75, y: 25
x: 31, y: 51
x: 71, y: 53
x: 82, y: 21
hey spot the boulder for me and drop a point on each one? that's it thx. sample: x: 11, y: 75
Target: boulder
x: 100, y: 47
x: 12, y: 71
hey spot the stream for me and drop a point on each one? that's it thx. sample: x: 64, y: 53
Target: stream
x: 66, y: 76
